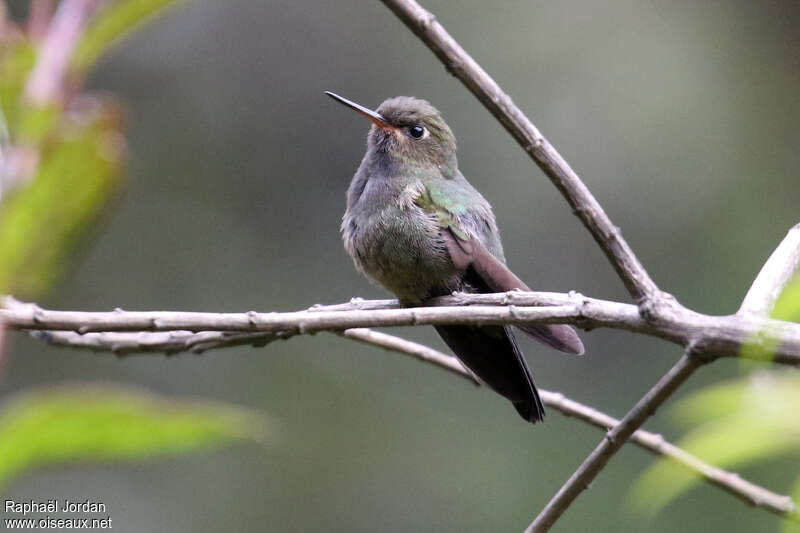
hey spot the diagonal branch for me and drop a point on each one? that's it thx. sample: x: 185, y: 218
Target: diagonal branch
x: 459, y: 63
x: 774, y: 275
x: 614, y: 440
x: 731, y: 483
x: 420, y: 352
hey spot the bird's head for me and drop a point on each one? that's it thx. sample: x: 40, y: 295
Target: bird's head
x: 409, y: 131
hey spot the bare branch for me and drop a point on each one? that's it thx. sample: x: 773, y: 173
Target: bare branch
x: 710, y: 336
x: 143, y: 342
x: 614, y: 440
x: 774, y: 275
x: 731, y: 483
x: 584, y: 205
x: 414, y: 349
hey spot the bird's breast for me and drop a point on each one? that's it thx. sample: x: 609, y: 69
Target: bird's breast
x: 400, y: 247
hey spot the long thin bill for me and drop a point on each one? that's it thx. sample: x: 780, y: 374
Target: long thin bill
x: 374, y: 116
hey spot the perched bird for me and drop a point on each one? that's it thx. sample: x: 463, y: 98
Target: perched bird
x: 416, y: 226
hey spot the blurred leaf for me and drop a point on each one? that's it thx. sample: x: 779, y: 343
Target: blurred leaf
x: 3, y: 150
x: 788, y: 305
x: 106, y: 423
x: 112, y: 24
x: 791, y: 526
x: 710, y: 403
x: 742, y: 422
x: 16, y: 61
x: 42, y: 222
x: 36, y: 123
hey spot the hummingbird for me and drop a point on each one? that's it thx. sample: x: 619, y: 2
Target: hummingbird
x: 416, y: 226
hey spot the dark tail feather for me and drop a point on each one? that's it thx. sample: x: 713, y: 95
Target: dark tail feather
x: 493, y: 355
x: 559, y: 336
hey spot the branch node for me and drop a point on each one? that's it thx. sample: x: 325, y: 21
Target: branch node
x: 453, y: 67
x: 656, y: 306
x: 426, y: 20
x: 581, y: 210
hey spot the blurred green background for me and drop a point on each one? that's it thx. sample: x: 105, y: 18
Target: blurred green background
x: 681, y: 117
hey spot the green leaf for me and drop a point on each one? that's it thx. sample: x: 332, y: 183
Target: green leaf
x: 109, y: 423
x: 710, y: 403
x: 741, y: 422
x: 42, y: 222
x: 111, y: 25
x: 789, y: 525
x: 3, y: 149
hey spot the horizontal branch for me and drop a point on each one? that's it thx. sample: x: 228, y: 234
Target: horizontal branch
x: 148, y: 342
x: 459, y: 63
x: 709, y: 336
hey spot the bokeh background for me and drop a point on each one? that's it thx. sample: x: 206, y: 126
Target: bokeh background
x: 681, y: 117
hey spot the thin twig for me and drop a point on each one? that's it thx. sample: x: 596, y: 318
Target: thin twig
x: 774, y: 275
x: 614, y: 440
x: 414, y: 349
x: 144, y: 342
x: 459, y: 63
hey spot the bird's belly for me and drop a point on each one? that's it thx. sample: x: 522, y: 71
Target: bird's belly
x: 404, y: 252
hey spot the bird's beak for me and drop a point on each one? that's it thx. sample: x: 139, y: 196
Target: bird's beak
x: 374, y: 116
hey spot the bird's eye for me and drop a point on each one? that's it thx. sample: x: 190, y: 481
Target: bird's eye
x: 416, y: 132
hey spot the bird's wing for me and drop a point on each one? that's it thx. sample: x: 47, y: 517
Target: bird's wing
x: 484, y: 271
